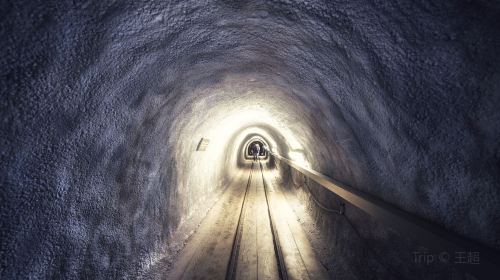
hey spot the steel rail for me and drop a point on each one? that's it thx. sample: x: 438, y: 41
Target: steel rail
x: 426, y: 233
x: 235, y: 251
x: 276, y: 241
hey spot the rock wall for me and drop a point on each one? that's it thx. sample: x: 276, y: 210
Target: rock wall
x: 103, y: 103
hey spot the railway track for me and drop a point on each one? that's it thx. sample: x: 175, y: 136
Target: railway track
x: 231, y: 273
x: 248, y: 234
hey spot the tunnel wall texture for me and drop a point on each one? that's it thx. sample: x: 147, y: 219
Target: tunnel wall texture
x: 353, y: 245
x: 101, y: 100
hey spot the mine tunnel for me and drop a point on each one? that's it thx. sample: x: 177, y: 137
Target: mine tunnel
x: 127, y: 127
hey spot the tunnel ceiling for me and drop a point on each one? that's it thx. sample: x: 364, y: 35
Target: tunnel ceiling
x: 104, y: 102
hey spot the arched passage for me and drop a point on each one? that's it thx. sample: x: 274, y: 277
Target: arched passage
x: 104, y: 103
x: 262, y: 154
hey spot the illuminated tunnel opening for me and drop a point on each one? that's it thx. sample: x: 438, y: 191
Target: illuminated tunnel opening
x: 259, y: 147
x: 262, y: 154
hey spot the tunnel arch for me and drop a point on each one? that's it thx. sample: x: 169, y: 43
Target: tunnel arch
x: 263, y: 154
x: 271, y: 135
x: 104, y: 102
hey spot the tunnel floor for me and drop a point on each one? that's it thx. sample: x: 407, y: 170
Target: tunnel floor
x: 251, y: 233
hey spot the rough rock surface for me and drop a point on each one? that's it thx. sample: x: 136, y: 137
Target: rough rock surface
x: 103, y: 103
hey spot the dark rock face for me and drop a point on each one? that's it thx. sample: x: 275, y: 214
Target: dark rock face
x: 103, y: 103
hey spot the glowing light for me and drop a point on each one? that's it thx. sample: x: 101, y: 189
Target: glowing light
x: 299, y: 158
x: 229, y: 122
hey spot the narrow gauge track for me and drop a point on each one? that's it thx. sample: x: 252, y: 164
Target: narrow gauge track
x: 233, y: 261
